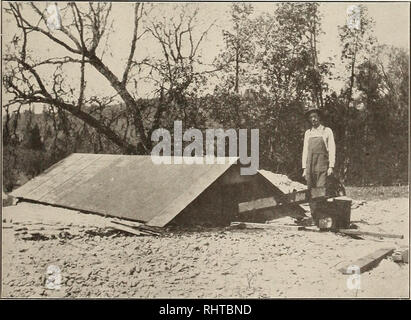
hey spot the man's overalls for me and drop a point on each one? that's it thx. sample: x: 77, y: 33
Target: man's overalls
x: 317, y: 166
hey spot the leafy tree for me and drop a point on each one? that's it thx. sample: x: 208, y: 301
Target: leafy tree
x: 382, y: 81
x: 357, y: 41
x: 267, y: 73
x: 239, y: 47
x: 290, y: 76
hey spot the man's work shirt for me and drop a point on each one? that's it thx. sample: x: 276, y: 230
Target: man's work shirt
x: 328, y: 137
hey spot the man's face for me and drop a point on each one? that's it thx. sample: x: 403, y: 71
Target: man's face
x: 314, y: 119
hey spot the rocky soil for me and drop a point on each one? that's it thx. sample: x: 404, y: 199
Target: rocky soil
x: 88, y: 259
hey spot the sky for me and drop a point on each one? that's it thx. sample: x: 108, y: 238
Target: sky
x: 391, y: 28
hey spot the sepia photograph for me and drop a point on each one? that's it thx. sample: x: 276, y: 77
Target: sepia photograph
x: 205, y: 150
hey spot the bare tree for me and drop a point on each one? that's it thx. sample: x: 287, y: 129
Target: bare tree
x: 82, y: 35
x: 239, y: 44
x: 178, y: 70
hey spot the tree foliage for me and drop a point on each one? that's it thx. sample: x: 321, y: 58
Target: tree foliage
x: 267, y: 72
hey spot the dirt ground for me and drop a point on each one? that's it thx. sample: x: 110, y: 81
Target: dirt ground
x: 90, y: 260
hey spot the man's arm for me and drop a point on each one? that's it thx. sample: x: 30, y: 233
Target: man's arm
x: 305, y: 151
x: 331, y: 148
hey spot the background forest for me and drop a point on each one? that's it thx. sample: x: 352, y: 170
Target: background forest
x: 264, y: 75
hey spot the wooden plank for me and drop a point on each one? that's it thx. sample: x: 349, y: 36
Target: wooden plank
x: 312, y: 228
x: 250, y: 225
x: 304, y: 196
x: 126, y: 222
x: 127, y: 229
x: 368, y: 262
x: 373, y: 234
x: 138, y: 226
x: 401, y: 255
x: 297, y: 197
x: 258, y: 204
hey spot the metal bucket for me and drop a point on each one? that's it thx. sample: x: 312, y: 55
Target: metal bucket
x: 335, y: 214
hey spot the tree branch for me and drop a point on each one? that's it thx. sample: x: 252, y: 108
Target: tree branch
x: 137, y: 17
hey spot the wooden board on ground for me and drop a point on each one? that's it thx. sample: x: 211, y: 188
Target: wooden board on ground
x: 373, y: 234
x: 401, y: 255
x: 137, y: 226
x: 274, y: 226
x: 127, y: 222
x: 312, y: 228
x: 367, y: 262
x: 130, y: 230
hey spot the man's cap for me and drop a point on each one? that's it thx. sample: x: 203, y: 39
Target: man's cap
x: 310, y: 110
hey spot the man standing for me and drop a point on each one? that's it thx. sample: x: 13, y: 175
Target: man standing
x: 318, y: 155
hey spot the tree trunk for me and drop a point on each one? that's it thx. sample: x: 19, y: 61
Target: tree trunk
x: 237, y: 71
x: 127, y: 98
x: 347, y: 138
